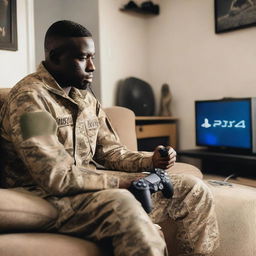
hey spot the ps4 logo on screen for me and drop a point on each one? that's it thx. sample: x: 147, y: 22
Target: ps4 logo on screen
x: 224, y: 124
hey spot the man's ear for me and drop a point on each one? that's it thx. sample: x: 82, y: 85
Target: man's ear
x: 54, y: 56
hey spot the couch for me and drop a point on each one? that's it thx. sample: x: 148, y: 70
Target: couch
x: 23, y: 216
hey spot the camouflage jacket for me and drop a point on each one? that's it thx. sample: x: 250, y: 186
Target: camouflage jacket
x: 50, y: 140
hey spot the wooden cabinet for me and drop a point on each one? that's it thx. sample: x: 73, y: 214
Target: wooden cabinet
x: 156, y: 130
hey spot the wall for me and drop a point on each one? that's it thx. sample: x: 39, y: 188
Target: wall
x: 16, y: 64
x: 44, y: 17
x: 123, y: 47
x: 196, y: 62
x: 83, y: 12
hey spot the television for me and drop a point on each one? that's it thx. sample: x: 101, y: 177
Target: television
x: 227, y: 124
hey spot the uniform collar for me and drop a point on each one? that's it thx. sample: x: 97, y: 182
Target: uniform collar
x: 52, y: 85
x: 49, y: 82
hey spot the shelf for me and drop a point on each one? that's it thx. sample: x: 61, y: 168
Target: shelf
x: 141, y: 11
x: 147, y: 8
x: 220, y: 163
x: 152, y: 131
x: 213, y: 155
x: 156, y: 118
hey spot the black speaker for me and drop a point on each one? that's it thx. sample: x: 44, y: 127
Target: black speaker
x: 136, y: 95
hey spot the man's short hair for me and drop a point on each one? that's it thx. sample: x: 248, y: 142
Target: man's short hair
x: 65, y: 28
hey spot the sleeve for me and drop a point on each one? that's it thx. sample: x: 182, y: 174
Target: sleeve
x: 112, y: 154
x: 34, y: 135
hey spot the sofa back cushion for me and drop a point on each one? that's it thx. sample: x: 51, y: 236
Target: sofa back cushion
x: 21, y: 210
x: 3, y: 94
x: 123, y: 121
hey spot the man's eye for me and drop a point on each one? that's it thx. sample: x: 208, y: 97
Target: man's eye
x: 86, y: 58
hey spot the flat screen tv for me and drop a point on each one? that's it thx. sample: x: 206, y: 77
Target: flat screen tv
x: 227, y: 124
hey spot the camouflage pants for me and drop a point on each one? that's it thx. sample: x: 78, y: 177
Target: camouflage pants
x: 116, y: 214
x: 192, y: 208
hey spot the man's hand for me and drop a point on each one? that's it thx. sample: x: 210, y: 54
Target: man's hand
x: 164, y: 162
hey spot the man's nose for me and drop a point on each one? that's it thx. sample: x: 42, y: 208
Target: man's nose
x: 90, y: 65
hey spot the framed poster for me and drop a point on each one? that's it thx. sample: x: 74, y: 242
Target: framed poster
x: 234, y: 14
x: 8, y: 25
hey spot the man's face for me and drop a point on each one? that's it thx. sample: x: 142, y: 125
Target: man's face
x: 75, y: 66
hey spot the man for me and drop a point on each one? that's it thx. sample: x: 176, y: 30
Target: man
x: 55, y: 133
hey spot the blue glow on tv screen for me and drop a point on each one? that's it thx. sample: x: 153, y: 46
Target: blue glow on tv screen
x: 224, y: 123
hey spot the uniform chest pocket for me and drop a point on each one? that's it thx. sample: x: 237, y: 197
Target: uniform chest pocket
x: 65, y: 132
x: 92, y: 128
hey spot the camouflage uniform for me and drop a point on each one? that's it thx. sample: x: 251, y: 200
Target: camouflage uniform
x: 52, y: 141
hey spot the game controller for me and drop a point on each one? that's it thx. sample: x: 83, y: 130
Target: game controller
x: 144, y: 187
x: 158, y: 180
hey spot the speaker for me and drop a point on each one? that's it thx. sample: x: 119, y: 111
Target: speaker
x: 136, y: 95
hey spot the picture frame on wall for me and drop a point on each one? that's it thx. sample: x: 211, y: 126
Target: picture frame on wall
x: 8, y: 25
x: 234, y: 14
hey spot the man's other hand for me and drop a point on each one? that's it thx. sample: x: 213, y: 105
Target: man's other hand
x: 164, y: 162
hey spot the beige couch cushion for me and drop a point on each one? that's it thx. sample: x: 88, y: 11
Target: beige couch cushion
x: 183, y: 168
x: 236, y: 214
x: 36, y: 244
x: 123, y: 121
x: 3, y: 94
x: 21, y: 210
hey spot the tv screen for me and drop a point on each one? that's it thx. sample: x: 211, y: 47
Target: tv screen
x: 224, y: 123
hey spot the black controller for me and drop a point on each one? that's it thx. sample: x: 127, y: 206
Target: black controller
x: 158, y: 180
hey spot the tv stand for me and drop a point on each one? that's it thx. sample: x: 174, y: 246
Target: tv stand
x: 223, y: 163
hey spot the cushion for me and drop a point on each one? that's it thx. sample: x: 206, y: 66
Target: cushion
x: 236, y: 215
x: 184, y: 168
x: 3, y: 94
x: 39, y: 244
x: 123, y: 121
x: 21, y: 210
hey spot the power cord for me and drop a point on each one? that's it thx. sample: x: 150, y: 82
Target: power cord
x: 222, y: 182
x: 230, y: 176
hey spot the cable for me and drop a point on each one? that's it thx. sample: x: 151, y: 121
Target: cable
x: 230, y: 176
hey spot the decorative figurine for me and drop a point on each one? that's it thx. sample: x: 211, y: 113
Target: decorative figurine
x: 165, y: 102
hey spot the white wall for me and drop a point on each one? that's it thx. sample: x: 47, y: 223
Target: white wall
x: 46, y: 12
x: 16, y: 64
x: 123, y: 47
x: 196, y: 62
